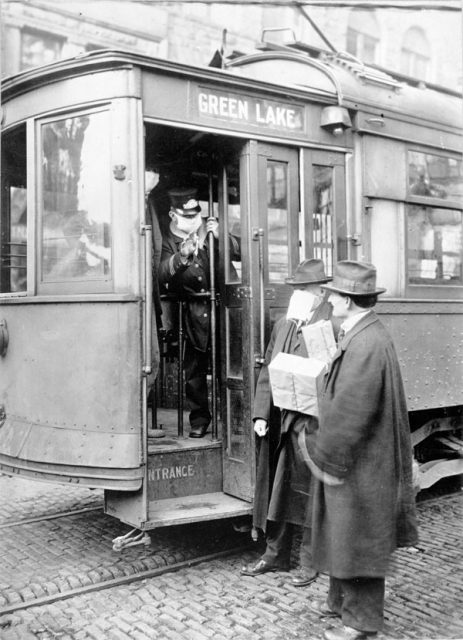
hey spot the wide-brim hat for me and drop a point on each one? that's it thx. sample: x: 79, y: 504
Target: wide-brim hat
x: 309, y: 271
x: 184, y: 201
x: 354, y: 279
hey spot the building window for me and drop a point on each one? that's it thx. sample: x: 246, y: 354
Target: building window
x: 38, y: 48
x: 415, y: 54
x: 363, y: 36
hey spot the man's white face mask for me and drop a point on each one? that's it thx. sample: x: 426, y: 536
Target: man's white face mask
x: 186, y: 225
x: 301, y: 305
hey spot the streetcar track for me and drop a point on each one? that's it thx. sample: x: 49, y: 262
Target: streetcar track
x: 52, y: 516
x: 123, y: 580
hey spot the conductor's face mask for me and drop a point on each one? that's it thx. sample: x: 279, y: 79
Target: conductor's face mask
x: 186, y: 225
x: 301, y: 305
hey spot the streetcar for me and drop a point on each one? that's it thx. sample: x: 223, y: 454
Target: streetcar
x: 298, y: 157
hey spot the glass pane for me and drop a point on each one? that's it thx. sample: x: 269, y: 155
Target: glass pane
x: 277, y: 221
x: 435, y: 176
x: 234, y: 329
x: 435, y: 246
x: 13, y: 274
x: 233, y: 246
x: 323, y: 216
x: 76, y: 222
x: 235, y: 411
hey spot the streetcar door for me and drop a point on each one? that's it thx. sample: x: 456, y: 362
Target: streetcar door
x: 261, y: 200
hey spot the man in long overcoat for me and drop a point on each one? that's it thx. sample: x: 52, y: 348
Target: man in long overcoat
x: 364, y: 503
x: 278, y: 448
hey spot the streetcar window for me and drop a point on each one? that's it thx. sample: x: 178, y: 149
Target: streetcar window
x: 323, y: 215
x: 13, y: 271
x: 435, y: 245
x: 277, y: 214
x: 435, y: 176
x: 75, y: 199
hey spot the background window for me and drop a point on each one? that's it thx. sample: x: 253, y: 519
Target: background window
x: 363, y: 36
x: 415, y: 54
x: 39, y: 48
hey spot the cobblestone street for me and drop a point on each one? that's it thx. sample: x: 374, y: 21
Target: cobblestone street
x: 424, y: 598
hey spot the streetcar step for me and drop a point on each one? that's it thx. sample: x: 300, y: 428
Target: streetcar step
x: 205, y: 506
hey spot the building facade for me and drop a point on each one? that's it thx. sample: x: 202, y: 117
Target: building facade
x: 425, y: 45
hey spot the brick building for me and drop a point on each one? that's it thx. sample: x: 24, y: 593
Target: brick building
x: 423, y: 44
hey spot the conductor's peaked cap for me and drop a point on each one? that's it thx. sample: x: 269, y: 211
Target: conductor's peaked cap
x: 184, y: 201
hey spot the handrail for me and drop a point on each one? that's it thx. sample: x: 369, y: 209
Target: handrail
x: 259, y: 236
x: 147, y: 231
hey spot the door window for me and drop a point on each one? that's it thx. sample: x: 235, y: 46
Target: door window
x: 323, y: 215
x: 75, y: 199
x: 277, y: 220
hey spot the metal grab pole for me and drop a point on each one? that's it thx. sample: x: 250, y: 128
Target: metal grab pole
x: 211, y: 242
x: 180, y: 371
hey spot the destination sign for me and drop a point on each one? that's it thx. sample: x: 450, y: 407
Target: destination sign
x: 247, y: 110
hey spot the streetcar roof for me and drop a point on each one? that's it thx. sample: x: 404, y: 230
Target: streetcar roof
x: 337, y: 79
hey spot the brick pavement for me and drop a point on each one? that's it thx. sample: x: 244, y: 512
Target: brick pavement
x: 424, y: 598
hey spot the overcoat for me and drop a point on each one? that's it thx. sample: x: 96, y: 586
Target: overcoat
x: 271, y: 447
x: 363, y: 438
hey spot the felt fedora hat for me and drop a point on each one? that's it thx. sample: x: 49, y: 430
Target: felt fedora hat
x: 309, y: 271
x: 354, y: 278
x: 184, y: 201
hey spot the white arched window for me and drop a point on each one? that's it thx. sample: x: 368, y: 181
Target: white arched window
x: 363, y: 36
x: 415, y: 54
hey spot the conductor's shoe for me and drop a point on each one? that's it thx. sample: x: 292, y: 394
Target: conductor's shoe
x: 347, y: 633
x: 199, y: 431
x: 304, y: 577
x: 259, y: 567
x: 321, y: 607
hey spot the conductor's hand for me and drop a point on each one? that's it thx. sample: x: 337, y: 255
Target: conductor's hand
x: 188, y: 246
x: 213, y: 226
x: 260, y: 427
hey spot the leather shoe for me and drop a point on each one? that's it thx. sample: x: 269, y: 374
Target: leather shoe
x: 346, y: 633
x: 321, y: 607
x: 259, y: 567
x: 199, y: 431
x: 304, y: 577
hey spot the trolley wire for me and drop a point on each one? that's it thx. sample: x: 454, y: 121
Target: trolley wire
x: 366, y: 5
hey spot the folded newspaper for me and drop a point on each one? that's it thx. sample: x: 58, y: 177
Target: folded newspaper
x: 294, y: 382
x: 319, y: 340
